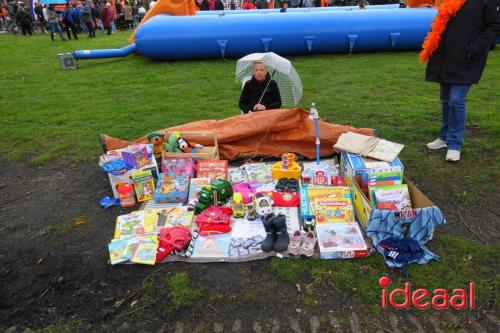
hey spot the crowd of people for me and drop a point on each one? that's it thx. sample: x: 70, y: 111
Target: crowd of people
x: 76, y: 17
x: 87, y: 16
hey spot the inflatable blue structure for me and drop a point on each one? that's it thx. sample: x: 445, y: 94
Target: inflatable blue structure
x: 165, y: 37
x: 293, y: 10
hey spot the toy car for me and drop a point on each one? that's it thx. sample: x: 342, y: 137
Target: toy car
x: 217, y: 193
x: 237, y: 206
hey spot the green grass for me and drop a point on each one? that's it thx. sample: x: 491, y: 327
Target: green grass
x: 461, y: 261
x: 182, y: 294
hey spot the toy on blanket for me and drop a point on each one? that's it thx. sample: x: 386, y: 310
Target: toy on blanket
x: 158, y: 141
x: 173, y: 238
x: 217, y: 193
x: 177, y: 144
x: 214, y: 220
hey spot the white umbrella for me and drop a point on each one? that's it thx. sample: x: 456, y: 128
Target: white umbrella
x: 285, y: 74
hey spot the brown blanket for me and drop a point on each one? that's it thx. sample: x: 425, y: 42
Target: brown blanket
x: 271, y: 132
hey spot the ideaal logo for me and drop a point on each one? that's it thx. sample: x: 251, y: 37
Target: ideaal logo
x: 421, y: 298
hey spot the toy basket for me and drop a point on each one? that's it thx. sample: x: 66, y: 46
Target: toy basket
x: 210, y: 151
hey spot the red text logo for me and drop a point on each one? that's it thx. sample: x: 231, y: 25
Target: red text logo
x: 439, y: 299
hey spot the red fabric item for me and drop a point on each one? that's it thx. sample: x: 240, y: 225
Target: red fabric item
x: 214, y: 220
x: 173, y: 238
x: 286, y: 199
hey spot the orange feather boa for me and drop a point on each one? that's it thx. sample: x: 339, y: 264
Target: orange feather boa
x: 448, y: 9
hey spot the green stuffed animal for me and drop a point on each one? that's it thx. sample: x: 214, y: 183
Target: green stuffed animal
x: 172, y: 144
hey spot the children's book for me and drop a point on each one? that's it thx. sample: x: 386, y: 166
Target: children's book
x: 237, y: 175
x: 214, y: 246
x: 260, y: 172
x: 195, y: 185
x: 177, y: 166
x: 394, y: 197
x: 213, y: 169
x: 143, y: 185
x: 145, y: 253
x: 119, y: 251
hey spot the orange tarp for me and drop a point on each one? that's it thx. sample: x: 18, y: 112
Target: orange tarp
x: 271, y: 132
x: 170, y: 7
x: 422, y: 3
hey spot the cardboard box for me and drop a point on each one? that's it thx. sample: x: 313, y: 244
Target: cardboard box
x: 352, y: 165
x: 126, y: 177
x: 364, y: 208
x: 341, y: 241
x: 210, y: 151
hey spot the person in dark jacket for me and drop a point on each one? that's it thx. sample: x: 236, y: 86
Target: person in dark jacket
x: 69, y: 23
x: 260, y: 92
x: 204, y: 5
x: 219, y: 5
x: 24, y: 20
x: 457, y: 60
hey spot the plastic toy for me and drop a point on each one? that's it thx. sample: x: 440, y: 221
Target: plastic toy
x: 158, y: 141
x: 126, y: 195
x: 107, y: 202
x: 287, y: 168
x: 174, y: 238
x: 246, y: 190
x: 217, y: 193
x: 251, y: 213
x: 263, y: 204
x: 238, y: 206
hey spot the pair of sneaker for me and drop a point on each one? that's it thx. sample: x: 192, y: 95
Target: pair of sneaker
x: 285, y: 184
x: 302, y: 243
x: 452, y: 155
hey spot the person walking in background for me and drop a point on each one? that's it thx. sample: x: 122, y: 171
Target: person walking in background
x: 107, y: 16
x: 141, y: 11
x: 68, y: 21
x: 456, y: 50
x: 45, y: 15
x: 54, y: 23
x: 128, y: 16
x: 39, y: 15
x: 24, y: 20
x: 219, y: 5
x: 204, y: 5
x: 88, y: 19
x: 96, y: 14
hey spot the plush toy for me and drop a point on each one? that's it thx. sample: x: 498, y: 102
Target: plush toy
x: 158, y: 140
x: 172, y: 145
x: 188, y: 147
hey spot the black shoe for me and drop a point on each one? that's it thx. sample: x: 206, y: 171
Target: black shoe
x: 281, y: 185
x: 282, y: 238
x: 293, y: 185
x: 268, y: 222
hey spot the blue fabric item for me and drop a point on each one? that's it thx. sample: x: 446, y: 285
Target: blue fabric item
x: 404, y: 251
x: 416, y: 224
x: 115, y: 167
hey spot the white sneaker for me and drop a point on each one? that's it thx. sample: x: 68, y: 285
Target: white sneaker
x: 453, y: 155
x: 436, y: 144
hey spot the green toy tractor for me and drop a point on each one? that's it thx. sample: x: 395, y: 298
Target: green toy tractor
x: 217, y: 193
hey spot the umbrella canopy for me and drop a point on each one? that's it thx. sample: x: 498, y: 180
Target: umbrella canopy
x: 285, y: 74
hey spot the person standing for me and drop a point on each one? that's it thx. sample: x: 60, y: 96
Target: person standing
x: 107, y: 17
x: 69, y: 23
x: 24, y: 20
x: 456, y: 50
x: 88, y: 19
x: 54, y: 23
x: 39, y: 16
x: 128, y: 16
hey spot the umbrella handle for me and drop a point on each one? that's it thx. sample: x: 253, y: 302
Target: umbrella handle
x: 267, y: 85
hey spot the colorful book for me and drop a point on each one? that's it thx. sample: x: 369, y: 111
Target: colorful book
x: 213, y: 169
x: 195, y: 186
x: 396, y: 197
x: 237, y: 175
x: 172, y: 188
x: 259, y: 172
x: 144, y: 185
x: 333, y: 210
x: 133, y: 224
x: 145, y: 252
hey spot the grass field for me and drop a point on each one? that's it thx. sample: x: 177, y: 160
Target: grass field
x: 47, y: 114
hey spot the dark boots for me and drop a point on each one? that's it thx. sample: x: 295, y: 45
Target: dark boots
x: 268, y: 222
x: 277, y: 236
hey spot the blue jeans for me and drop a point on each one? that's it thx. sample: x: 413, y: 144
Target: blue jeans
x: 454, y: 114
x: 53, y: 26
